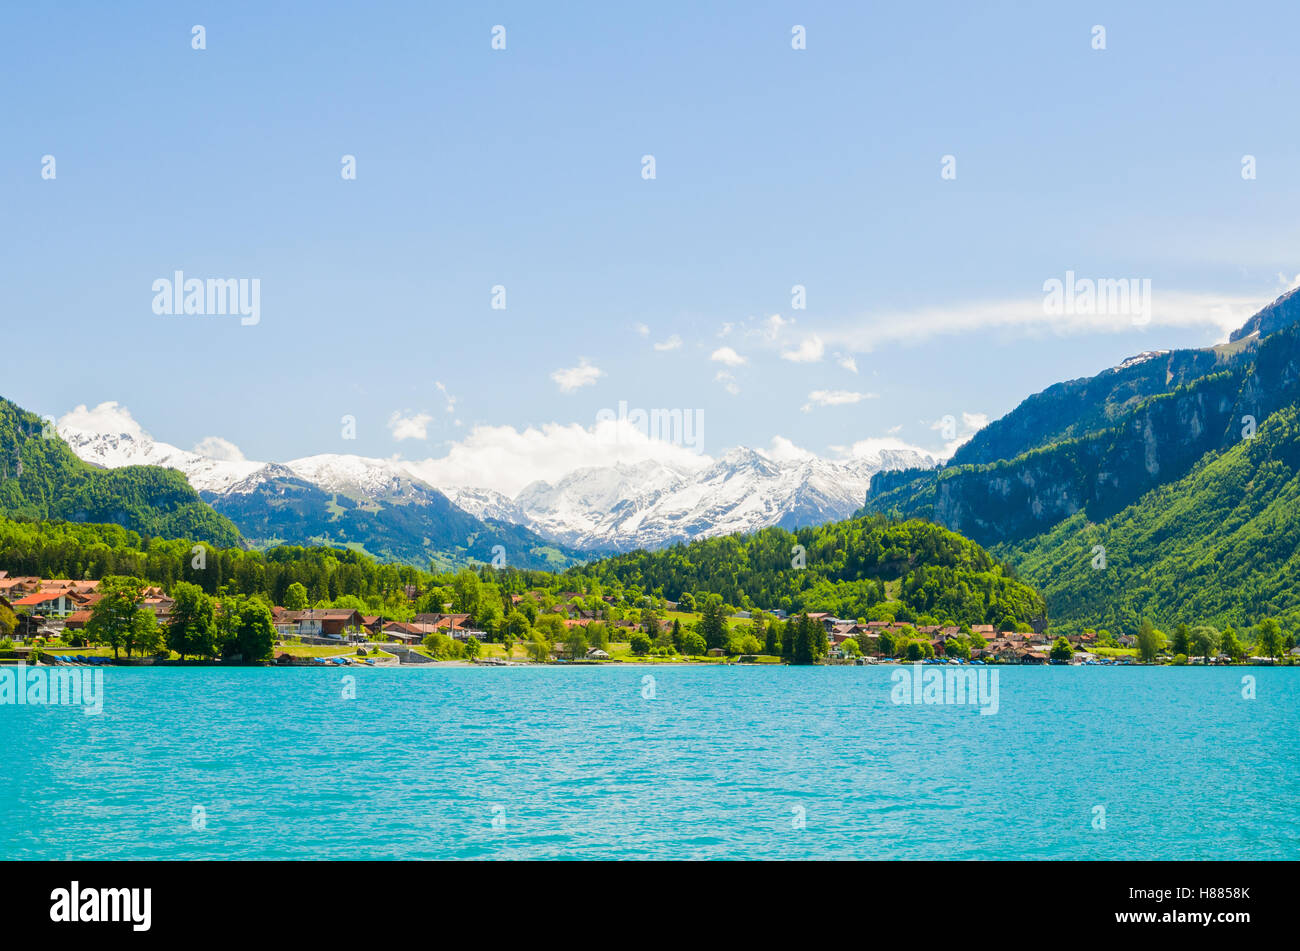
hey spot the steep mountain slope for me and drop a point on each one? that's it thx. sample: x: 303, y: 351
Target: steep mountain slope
x: 1180, y: 465
x: 1077, y: 408
x: 1220, y: 545
x: 1144, y: 442
x: 1281, y: 313
x: 42, y: 478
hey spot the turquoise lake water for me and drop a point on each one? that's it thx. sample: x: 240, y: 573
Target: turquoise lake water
x: 723, y: 762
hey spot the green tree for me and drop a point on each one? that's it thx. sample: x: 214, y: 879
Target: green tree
x: 113, y: 616
x: 295, y: 597
x: 539, y: 648
x: 254, y: 631
x: 575, y: 642
x: 1268, y: 635
x: 650, y: 623
x: 772, y: 639
x: 640, y: 643
x: 693, y: 644
x: 473, y: 648
x: 439, y: 645
x: 1231, y: 645
x: 713, y: 622
x: 147, y: 637
x: 516, y: 627
x: 1147, y: 643
x: 467, y: 588
x: 806, y: 640
x: 190, y: 632
x: 551, y: 626
x: 1204, y: 641
x: 1182, y: 640
x: 1061, y: 649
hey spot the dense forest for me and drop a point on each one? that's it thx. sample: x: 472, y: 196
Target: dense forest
x: 75, y: 550
x: 867, y: 567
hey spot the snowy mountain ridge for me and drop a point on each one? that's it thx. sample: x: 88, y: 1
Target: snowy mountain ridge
x: 598, y: 508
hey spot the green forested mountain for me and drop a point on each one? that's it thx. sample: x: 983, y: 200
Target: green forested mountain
x: 1219, y: 546
x: 41, y: 478
x: 1153, y: 460
x: 866, y: 567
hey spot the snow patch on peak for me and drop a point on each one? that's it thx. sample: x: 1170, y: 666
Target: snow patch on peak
x: 125, y: 443
x: 1142, y: 357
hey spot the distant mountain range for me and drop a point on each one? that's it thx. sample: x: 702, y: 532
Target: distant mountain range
x: 372, y: 505
x: 385, y: 508
x: 1107, y: 460
x: 650, y: 505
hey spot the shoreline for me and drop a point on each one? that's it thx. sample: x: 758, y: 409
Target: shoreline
x: 325, y: 664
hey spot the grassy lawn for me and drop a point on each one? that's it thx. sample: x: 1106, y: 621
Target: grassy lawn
x: 294, y: 649
x: 83, y: 651
x: 1113, y: 651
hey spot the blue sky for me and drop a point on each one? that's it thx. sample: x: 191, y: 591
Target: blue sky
x: 523, y: 167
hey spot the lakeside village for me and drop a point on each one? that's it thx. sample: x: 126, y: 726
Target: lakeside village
x: 69, y: 622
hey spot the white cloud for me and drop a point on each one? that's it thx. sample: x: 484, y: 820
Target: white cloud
x: 774, y: 325
x: 727, y: 357
x: 847, y: 362
x: 107, y: 417
x: 728, y: 382
x: 1029, y: 316
x: 451, y: 400
x: 574, y: 378
x: 415, y: 426
x: 506, y: 459
x: 642, y: 329
x: 672, y: 343
x: 783, y: 450
x: 214, y: 447
x: 835, y: 398
x: 810, y: 350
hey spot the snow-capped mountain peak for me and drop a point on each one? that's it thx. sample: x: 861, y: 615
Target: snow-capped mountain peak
x: 134, y: 447
x: 597, y: 508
